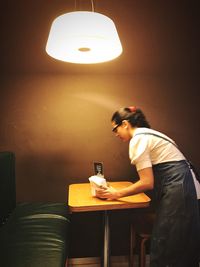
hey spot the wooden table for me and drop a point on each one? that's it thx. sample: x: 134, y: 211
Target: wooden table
x: 81, y: 200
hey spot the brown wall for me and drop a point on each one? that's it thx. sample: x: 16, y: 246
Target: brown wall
x: 59, y: 125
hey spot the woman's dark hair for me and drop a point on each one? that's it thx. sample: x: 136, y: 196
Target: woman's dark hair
x: 134, y: 115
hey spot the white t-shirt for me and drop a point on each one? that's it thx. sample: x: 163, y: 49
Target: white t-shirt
x: 146, y: 150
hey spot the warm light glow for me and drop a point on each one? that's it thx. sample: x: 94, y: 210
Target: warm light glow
x: 83, y: 37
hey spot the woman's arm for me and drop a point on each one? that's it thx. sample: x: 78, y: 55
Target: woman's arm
x: 145, y: 182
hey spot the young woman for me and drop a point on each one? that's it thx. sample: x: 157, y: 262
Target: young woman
x: 162, y: 168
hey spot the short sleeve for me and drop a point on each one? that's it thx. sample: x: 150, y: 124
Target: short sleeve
x: 139, y: 152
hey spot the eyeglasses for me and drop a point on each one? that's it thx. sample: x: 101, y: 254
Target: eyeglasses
x: 114, y: 129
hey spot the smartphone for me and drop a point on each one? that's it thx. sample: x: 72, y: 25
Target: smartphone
x: 98, y: 169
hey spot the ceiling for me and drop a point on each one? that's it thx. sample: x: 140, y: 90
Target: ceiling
x: 157, y: 36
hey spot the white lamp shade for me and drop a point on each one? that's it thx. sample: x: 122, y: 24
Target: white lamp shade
x: 83, y: 37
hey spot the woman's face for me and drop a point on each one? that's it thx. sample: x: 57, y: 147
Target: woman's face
x: 122, y: 130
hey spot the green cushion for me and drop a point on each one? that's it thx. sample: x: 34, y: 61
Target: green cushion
x: 7, y: 184
x: 36, y: 235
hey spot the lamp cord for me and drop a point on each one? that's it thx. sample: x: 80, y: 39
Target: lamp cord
x: 92, y: 4
x: 75, y: 5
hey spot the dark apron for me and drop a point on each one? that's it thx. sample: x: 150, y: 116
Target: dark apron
x: 176, y: 232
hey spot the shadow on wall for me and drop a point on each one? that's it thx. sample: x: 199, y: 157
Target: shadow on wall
x: 42, y: 177
x: 46, y: 177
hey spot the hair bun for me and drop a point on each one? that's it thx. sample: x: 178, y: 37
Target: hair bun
x: 132, y: 108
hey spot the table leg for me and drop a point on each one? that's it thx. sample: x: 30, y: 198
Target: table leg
x: 106, y: 251
x: 132, y: 244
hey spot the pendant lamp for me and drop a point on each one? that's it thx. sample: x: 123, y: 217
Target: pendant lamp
x: 83, y: 37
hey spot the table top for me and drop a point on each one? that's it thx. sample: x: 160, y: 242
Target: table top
x: 80, y: 199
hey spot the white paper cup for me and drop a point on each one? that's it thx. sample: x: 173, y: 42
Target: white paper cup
x: 96, y: 182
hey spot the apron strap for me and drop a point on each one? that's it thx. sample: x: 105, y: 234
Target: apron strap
x: 191, y: 166
x: 157, y: 135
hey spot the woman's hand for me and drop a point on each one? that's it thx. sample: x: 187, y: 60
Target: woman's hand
x: 146, y: 182
x: 107, y: 192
